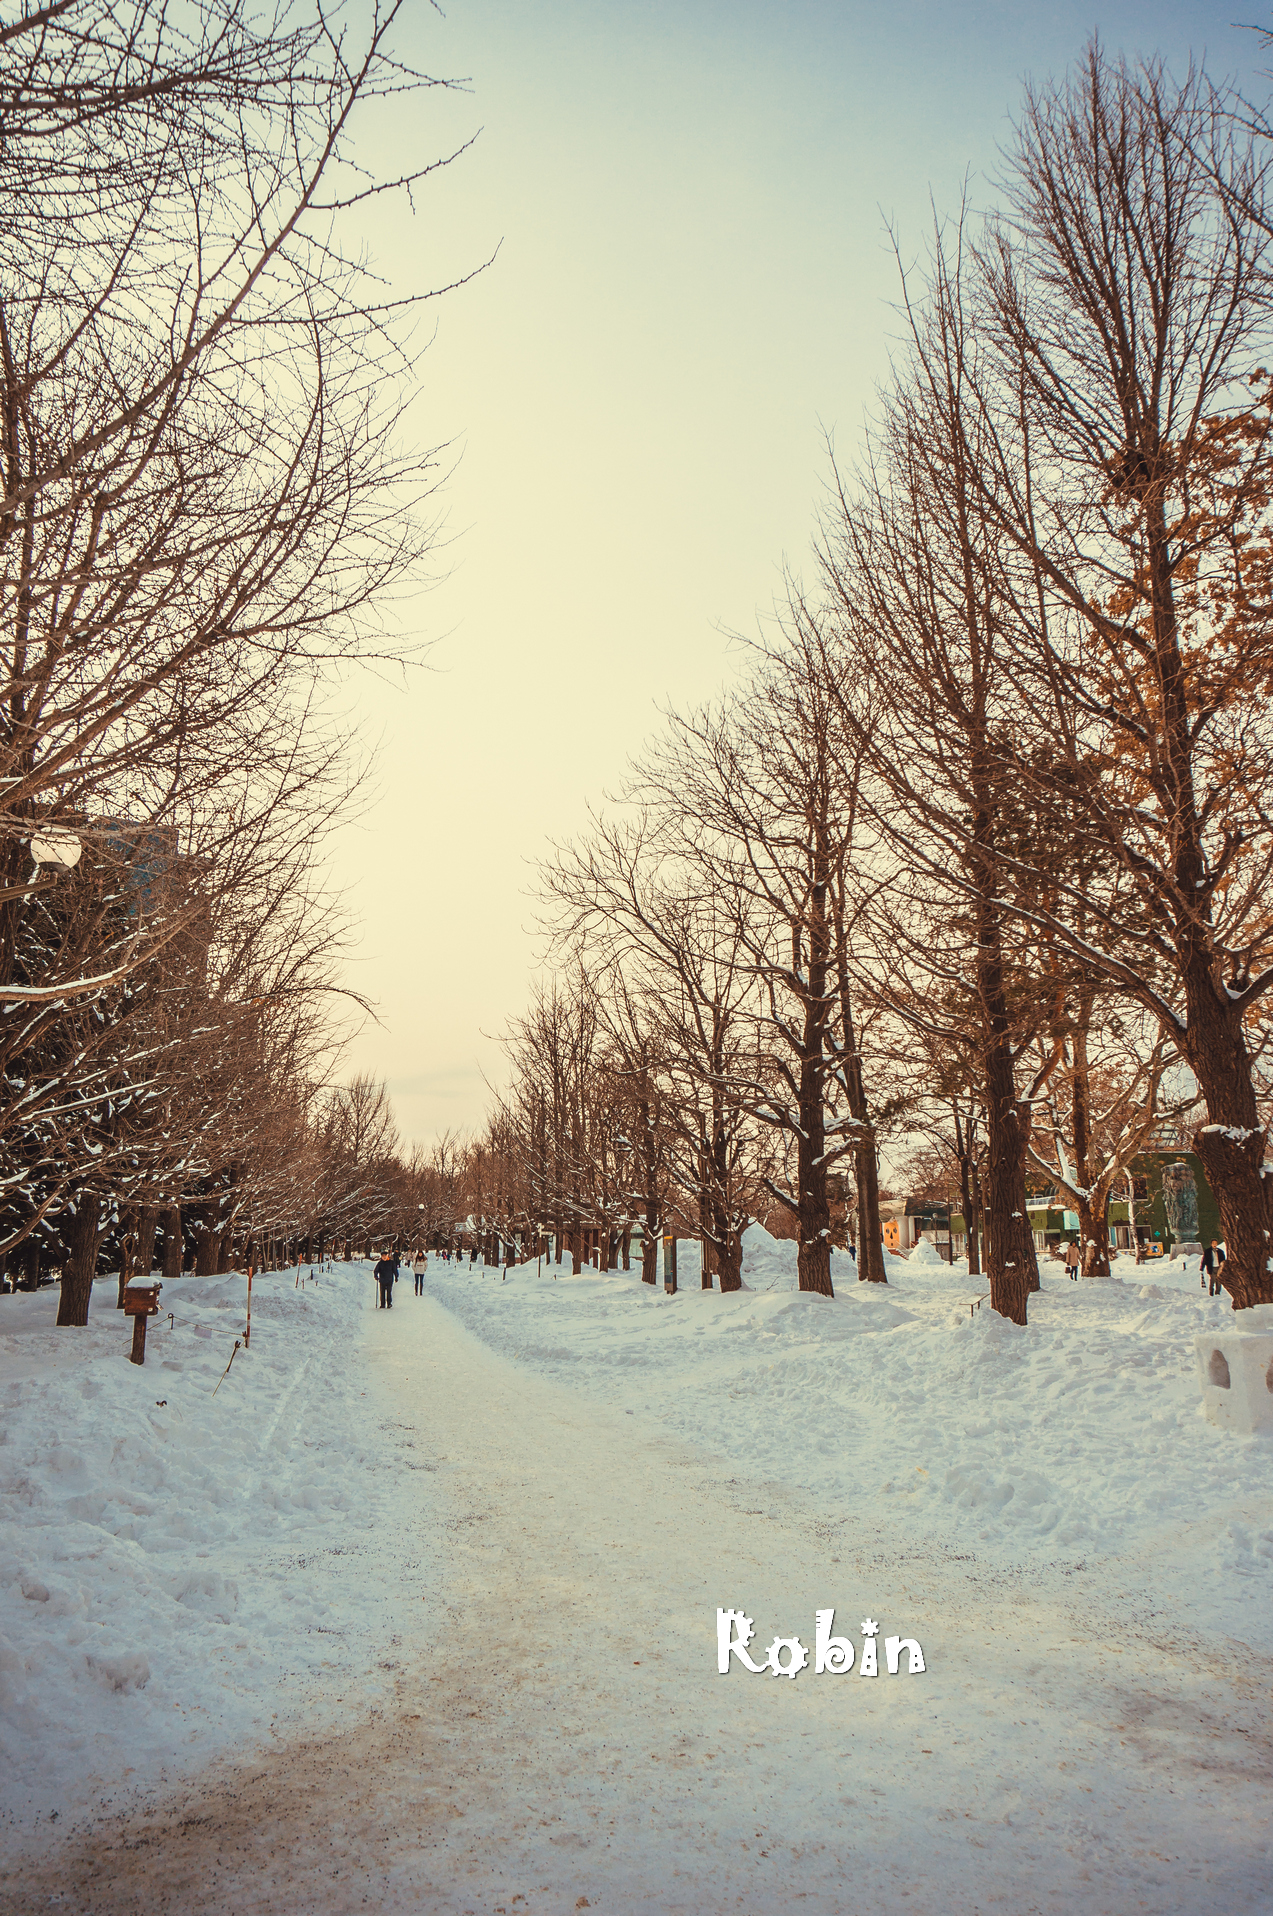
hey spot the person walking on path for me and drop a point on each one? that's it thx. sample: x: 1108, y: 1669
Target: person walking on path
x: 1211, y: 1267
x: 1072, y: 1259
x: 419, y: 1267
x: 383, y: 1275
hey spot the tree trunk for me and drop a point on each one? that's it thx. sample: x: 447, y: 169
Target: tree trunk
x: 207, y: 1244
x: 650, y: 1223
x: 729, y: 1261
x: 1094, y: 1230
x: 127, y: 1252
x: 1232, y: 1143
x: 813, y: 1258
x: 707, y: 1206
x: 81, y: 1267
x: 964, y: 1150
x: 29, y: 1253
x: 870, y: 1229
x: 1011, y: 1265
x: 866, y: 1164
x: 144, y: 1263
x: 1134, y: 1243
x: 172, y: 1242
x: 650, y: 1242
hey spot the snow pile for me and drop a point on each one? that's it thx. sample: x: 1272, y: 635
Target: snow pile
x: 1079, y: 1439
x: 180, y: 1572
x: 179, y: 1569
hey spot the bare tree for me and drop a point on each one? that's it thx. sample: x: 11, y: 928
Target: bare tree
x: 761, y: 791
x: 631, y: 898
x: 916, y: 650
x: 1125, y: 294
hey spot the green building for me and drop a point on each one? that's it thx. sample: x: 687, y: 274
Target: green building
x: 1053, y: 1223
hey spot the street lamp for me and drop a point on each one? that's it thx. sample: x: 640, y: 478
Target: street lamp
x: 56, y: 846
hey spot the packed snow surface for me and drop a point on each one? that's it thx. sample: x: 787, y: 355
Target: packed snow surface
x: 419, y: 1611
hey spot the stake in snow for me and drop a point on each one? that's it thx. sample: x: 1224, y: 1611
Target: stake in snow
x: 832, y: 1656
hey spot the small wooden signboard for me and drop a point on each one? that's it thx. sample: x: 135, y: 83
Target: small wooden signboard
x: 140, y: 1302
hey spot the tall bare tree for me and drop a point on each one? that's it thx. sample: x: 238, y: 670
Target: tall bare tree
x: 1125, y: 291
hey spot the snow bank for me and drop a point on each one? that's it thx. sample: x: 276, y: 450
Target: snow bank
x: 1078, y: 1440
x: 180, y: 1570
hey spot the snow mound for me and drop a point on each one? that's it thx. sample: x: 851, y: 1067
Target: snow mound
x: 179, y: 1567
x: 124, y: 1673
x: 865, y: 1309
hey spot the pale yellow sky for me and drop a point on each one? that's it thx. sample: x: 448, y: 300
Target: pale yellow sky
x: 693, y: 282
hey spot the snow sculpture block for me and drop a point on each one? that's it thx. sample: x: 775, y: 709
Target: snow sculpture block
x: 1235, y: 1373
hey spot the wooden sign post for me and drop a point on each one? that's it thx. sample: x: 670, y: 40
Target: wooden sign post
x: 140, y: 1302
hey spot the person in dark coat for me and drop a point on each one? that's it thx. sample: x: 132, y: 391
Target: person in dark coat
x: 384, y: 1276
x: 1213, y: 1264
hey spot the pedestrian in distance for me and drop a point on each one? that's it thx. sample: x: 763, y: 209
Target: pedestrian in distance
x: 1072, y: 1259
x: 383, y: 1275
x: 419, y: 1267
x: 1213, y: 1259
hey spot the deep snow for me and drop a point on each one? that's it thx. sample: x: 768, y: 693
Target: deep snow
x: 1078, y: 1439
x: 478, y: 1544
x: 182, y: 1571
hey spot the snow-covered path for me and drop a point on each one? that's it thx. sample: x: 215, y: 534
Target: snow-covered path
x: 560, y: 1733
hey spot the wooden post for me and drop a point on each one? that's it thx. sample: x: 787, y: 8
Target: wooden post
x: 247, y: 1335
x: 141, y: 1301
